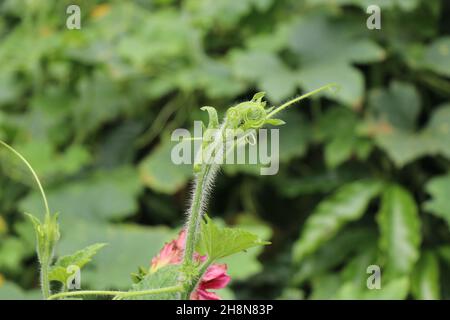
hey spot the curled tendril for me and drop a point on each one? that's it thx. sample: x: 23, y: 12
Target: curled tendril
x: 249, y: 114
x: 251, y: 138
x: 254, y: 116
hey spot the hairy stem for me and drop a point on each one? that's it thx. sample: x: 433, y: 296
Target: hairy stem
x: 121, y: 294
x: 203, y: 180
x: 177, y: 288
x: 205, y: 177
x: 45, y: 259
x: 45, y: 283
x: 194, y: 217
x: 191, y: 285
x: 84, y: 293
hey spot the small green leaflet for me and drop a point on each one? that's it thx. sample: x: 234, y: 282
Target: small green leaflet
x: 58, y: 272
x: 47, y: 235
x: 164, y: 277
x: 213, y: 118
x: 219, y: 242
x: 275, y: 122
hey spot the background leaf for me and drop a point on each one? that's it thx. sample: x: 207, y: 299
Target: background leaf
x: 439, y: 205
x: 425, y: 279
x: 345, y: 205
x: 400, y: 230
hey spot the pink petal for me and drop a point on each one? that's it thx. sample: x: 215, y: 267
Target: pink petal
x: 217, y: 283
x: 171, y: 253
x: 214, y: 271
x: 204, y: 295
x: 180, y: 241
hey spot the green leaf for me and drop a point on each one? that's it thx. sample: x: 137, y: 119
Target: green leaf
x: 330, y: 60
x: 349, y: 79
x: 399, y: 225
x: 333, y: 253
x: 163, y: 277
x: 325, y: 287
x: 213, y: 119
x: 243, y: 265
x: 257, y: 97
x: 11, y: 291
x: 439, y: 189
x: 129, y: 246
x: 425, y: 278
x: 158, y: 172
x: 58, y: 271
x: 275, y: 122
x: 103, y: 196
x: 220, y: 242
x: 399, y: 105
x: 347, y: 204
x: 437, y: 56
x: 406, y: 146
x: 50, y: 163
x: 404, y: 5
x: 223, y: 13
x: 12, y: 253
x: 267, y: 71
x: 341, y: 40
x: 394, y: 290
x: 47, y: 236
x: 338, y: 128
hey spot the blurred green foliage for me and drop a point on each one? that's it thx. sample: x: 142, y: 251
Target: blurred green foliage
x: 364, y: 175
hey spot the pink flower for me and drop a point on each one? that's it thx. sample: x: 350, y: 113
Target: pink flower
x: 171, y: 253
x: 215, y: 276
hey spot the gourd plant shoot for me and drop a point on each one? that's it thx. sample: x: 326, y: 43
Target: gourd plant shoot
x: 185, y: 267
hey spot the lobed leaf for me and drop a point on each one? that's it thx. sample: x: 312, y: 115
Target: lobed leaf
x: 58, y: 271
x: 163, y: 277
x: 220, y: 242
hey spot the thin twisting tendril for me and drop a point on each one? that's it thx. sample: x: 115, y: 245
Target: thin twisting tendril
x: 35, y: 176
x: 290, y: 102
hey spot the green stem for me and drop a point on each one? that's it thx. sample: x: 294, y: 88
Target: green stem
x: 84, y: 293
x: 45, y: 260
x: 45, y: 283
x: 121, y: 294
x: 193, y: 219
x: 203, y: 179
x: 177, y: 288
x: 196, y: 281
